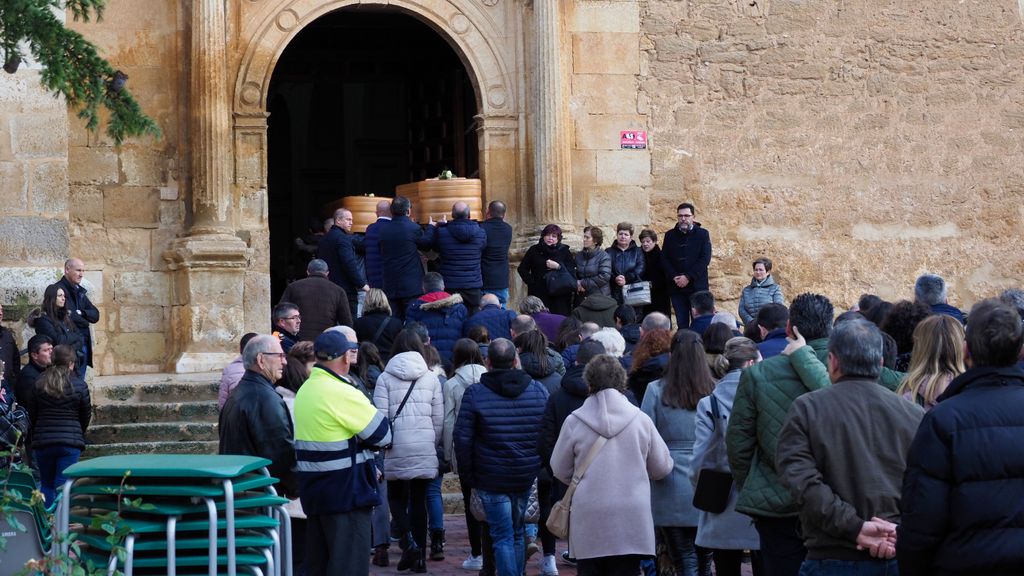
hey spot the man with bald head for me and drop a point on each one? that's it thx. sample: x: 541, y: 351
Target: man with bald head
x: 344, y: 265
x: 78, y: 305
x: 371, y: 246
x: 460, y: 244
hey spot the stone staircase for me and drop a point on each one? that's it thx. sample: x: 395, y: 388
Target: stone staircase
x: 153, y: 413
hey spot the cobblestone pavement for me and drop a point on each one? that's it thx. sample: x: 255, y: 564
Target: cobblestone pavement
x: 457, y: 550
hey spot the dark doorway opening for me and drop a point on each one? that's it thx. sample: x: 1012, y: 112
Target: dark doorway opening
x: 359, y: 103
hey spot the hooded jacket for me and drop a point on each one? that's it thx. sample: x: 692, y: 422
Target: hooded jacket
x: 757, y: 294
x: 443, y: 314
x: 454, y: 388
x: 416, y: 432
x: 594, y: 271
x: 617, y: 483
x: 962, y: 511
x: 461, y: 244
x: 597, y: 308
x: 551, y: 375
x: 496, y: 432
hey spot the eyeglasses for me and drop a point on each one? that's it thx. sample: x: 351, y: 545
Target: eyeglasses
x: 296, y: 317
x: 280, y: 355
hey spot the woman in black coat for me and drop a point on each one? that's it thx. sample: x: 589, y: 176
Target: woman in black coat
x: 377, y: 324
x: 543, y: 258
x: 56, y: 323
x: 654, y: 274
x: 628, y: 262
x: 59, y: 411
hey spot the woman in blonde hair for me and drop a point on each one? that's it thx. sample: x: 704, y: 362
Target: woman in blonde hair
x: 937, y: 358
x: 377, y: 324
x: 59, y: 410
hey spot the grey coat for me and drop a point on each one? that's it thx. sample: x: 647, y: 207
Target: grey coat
x: 672, y: 496
x: 416, y: 432
x: 757, y: 294
x: 729, y: 530
x: 454, y: 388
x: 594, y: 271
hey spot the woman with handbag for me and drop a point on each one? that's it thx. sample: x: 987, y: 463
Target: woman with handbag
x: 593, y: 266
x: 615, y: 451
x: 409, y: 395
x: 549, y: 271
x: 627, y: 260
x: 654, y: 274
x: 671, y: 403
x: 726, y: 532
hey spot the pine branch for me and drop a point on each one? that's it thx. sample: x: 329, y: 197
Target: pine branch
x: 71, y: 65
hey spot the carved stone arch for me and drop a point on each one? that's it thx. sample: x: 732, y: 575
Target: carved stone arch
x: 460, y: 22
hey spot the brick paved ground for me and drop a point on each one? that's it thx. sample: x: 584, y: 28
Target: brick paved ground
x: 457, y: 550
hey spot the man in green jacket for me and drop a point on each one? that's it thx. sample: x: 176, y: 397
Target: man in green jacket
x: 763, y: 398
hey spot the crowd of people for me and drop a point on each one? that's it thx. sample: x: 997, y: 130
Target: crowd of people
x: 877, y: 440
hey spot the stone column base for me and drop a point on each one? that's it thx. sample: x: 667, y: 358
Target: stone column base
x: 207, y: 308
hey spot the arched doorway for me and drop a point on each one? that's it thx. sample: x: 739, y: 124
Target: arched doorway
x: 359, y: 101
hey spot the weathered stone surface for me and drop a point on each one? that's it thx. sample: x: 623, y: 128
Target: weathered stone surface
x: 13, y: 187
x: 623, y: 167
x: 30, y: 281
x: 605, y: 94
x: 40, y: 135
x: 143, y: 318
x: 33, y: 240
x: 609, y: 206
x: 602, y: 131
x: 140, y: 348
x: 131, y: 207
x: 257, y: 300
x: 92, y: 165
x: 143, y: 166
x: 140, y: 288
x: 117, y: 247
x: 49, y: 187
x: 602, y: 16
x: 606, y: 53
x: 87, y: 204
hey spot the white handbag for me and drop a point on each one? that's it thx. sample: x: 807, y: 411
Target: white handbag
x: 637, y: 294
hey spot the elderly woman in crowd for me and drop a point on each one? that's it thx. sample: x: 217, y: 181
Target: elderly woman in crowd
x: 627, y: 260
x: 653, y: 273
x: 761, y: 290
x: 617, y: 483
x: 547, y: 257
x: 593, y: 265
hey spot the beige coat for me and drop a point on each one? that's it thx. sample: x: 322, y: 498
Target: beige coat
x: 617, y: 484
x: 416, y: 432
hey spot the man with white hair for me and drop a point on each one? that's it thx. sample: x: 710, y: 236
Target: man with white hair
x: 930, y: 289
x: 255, y: 420
x: 322, y: 303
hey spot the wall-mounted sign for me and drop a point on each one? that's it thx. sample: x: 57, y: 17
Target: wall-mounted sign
x: 633, y: 139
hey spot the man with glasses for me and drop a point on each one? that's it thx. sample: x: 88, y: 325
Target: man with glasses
x: 287, y: 322
x: 255, y: 420
x: 685, y: 257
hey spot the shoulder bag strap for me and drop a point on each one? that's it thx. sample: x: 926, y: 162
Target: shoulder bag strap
x: 404, y: 400
x: 380, y: 329
x: 578, y: 474
x: 716, y: 413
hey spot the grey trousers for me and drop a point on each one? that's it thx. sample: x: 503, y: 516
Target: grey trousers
x: 338, y: 544
x: 382, y: 518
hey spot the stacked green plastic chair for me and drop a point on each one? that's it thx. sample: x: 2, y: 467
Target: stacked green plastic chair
x: 178, y: 514
x: 25, y: 527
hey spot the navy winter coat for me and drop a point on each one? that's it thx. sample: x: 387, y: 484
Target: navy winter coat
x: 344, y: 266
x: 82, y: 311
x: 688, y: 254
x: 461, y: 245
x: 496, y: 431
x: 961, y: 509
x: 443, y: 314
x: 371, y: 249
x: 496, y: 319
x: 628, y: 263
x: 400, y: 242
x: 550, y: 375
x: 494, y: 262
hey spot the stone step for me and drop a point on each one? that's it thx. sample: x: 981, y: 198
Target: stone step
x: 152, y: 432
x: 189, y: 447
x: 130, y: 413
x: 154, y: 392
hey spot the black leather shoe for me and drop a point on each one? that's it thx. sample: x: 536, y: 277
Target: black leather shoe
x: 409, y: 558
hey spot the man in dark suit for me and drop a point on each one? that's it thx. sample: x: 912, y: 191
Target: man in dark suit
x: 685, y: 257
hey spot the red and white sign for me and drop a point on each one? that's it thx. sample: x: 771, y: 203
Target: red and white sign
x: 633, y: 139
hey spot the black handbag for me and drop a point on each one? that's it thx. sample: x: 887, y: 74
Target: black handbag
x: 713, y: 486
x: 560, y: 282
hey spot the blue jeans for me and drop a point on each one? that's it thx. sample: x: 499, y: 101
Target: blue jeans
x: 435, y: 505
x: 52, y: 461
x: 501, y: 294
x: 849, y: 568
x: 505, y: 520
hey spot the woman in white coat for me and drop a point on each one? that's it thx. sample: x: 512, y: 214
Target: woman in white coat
x: 411, y: 461
x: 729, y: 533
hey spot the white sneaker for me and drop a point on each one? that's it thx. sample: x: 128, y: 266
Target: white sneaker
x: 473, y: 563
x: 547, y: 566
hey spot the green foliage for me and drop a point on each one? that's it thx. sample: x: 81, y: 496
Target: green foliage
x: 71, y: 64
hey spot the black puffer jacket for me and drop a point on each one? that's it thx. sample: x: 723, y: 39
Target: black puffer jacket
x: 60, y: 421
x: 629, y: 263
x: 569, y: 397
x: 594, y: 271
x: 255, y: 422
x: 60, y: 333
x: 961, y: 509
x: 650, y: 371
x: 366, y: 327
